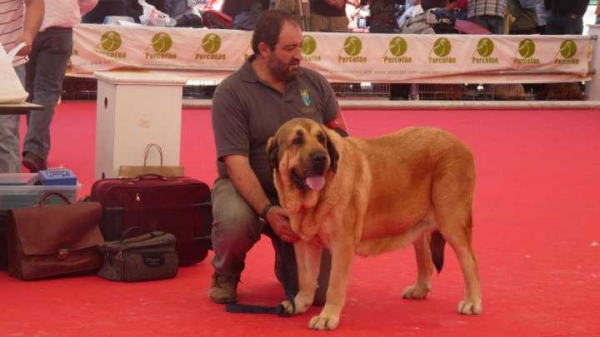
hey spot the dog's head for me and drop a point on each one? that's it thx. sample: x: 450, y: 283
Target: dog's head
x: 304, y: 150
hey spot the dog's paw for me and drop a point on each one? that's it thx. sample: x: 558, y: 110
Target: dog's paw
x: 416, y: 292
x: 470, y: 307
x: 288, y: 308
x: 324, y: 323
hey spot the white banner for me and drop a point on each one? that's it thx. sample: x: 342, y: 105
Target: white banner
x: 212, y: 54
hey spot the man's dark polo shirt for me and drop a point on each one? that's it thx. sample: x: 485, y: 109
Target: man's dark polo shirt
x: 246, y: 112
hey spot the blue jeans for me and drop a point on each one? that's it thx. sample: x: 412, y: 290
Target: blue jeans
x: 564, y: 25
x: 495, y: 24
x: 45, y: 72
x: 236, y: 228
x: 9, y: 136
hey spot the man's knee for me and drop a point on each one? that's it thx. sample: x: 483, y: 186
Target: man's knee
x: 234, y: 220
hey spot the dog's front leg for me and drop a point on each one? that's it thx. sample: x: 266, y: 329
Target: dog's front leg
x: 342, y: 253
x: 308, y: 259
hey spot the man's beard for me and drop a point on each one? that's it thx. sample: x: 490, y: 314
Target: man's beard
x: 282, y: 70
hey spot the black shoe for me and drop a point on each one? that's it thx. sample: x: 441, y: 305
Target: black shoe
x: 33, y: 162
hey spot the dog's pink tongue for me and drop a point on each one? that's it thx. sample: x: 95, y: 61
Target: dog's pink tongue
x: 315, y: 183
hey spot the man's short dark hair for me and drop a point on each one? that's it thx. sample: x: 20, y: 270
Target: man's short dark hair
x: 268, y: 27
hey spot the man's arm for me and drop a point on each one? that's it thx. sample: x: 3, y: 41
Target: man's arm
x: 338, y: 124
x: 34, y: 16
x: 245, y: 181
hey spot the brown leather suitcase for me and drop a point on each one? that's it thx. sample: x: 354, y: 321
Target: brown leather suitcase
x: 177, y: 205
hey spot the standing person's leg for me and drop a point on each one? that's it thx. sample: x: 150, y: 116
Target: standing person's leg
x: 496, y: 24
x: 317, y: 23
x: 236, y: 229
x: 9, y: 137
x: 53, y: 49
x: 338, y: 24
x: 554, y: 25
x: 573, y: 25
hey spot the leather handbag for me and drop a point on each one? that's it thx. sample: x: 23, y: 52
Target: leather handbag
x: 145, y: 257
x: 54, y: 240
x: 133, y: 171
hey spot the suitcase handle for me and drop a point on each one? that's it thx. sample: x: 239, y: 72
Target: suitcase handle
x: 142, y: 230
x: 149, y: 176
x: 49, y: 194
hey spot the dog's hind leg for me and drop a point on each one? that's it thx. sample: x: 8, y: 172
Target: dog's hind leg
x: 452, y: 197
x: 420, y: 289
x: 455, y: 222
x: 460, y: 241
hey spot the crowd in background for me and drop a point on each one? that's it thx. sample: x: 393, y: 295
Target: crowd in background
x: 376, y: 16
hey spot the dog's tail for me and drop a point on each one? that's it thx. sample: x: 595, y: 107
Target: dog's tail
x: 437, y: 245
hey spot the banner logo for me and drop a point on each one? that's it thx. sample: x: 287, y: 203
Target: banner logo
x: 568, y: 49
x: 211, y: 44
x: 161, y: 43
x: 352, y: 47
x: 526, y: 51
x: 397, y: 48
x: 527, y: 48
x: 485, y: 49
x: 442, y: 48
x: 309, y: 46
x: 110, y: 42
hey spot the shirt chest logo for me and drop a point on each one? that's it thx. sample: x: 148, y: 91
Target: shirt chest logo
x: 305, y: 97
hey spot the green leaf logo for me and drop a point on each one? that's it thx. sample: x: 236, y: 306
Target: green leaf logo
x: 162, y: 42
x: 211, y: 43
x: 110, y: 41
x: 442, y: 47
x: 485, y: 47
x: 352, y: 46
x: 527, y: 48
x: 398, y: 46
x: 309, y: 45
x: 568, y: 49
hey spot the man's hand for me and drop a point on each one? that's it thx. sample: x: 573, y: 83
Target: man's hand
x: 26, y: 50
x: 278, y: 220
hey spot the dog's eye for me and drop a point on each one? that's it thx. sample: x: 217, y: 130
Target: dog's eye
x: 321, y: 138
x: 298, y: 140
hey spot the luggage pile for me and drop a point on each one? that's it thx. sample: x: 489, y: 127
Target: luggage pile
x: 129, y: 229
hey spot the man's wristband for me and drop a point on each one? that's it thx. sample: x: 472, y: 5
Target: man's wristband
x: 263, y: 215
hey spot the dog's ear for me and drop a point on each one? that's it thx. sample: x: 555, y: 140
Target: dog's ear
x: 334, y: 156
x: 273, y: 154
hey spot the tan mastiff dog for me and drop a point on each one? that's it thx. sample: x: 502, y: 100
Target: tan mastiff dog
x: 366, y: 197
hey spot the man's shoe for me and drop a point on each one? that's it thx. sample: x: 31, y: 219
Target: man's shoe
x: 33, y: 162
x: 224, y: 288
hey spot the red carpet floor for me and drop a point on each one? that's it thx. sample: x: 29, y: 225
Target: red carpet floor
x: 536, y: 235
